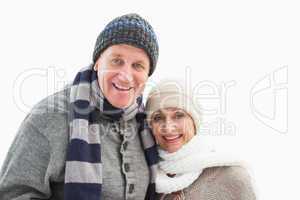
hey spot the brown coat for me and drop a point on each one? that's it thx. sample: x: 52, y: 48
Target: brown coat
x: 217, y: 183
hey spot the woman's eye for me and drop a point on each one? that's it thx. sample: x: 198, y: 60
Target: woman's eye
x: 179, y: 115
x: 156, y: 118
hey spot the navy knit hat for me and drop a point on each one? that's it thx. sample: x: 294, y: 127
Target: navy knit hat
x: 129, y: 29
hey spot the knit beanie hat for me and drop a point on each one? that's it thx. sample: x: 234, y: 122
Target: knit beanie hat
x: 129, y: 29
x: 173, y: 93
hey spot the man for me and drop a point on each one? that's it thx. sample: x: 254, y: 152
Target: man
x: 90, y: 141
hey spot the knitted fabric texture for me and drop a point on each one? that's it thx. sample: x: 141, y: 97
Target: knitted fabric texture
x: 188, y: 163
x: 174, y: 93
x: 129, y: 29
x: 83, y: 173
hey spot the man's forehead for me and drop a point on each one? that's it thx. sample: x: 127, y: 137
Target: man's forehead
x: 120, y: 51
x: 114, y: 54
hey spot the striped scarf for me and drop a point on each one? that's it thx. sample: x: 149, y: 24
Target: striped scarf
x: 83, y: 172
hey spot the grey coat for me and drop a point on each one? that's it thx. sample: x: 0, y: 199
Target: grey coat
x: 35, y: 164
x: 217, y: 183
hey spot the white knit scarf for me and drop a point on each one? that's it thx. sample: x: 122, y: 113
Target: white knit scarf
x: 188, y: 163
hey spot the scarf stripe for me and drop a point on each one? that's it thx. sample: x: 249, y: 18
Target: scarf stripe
x: 86, y: 75
x: 88, y: 132
x: 79, y: 150
x: 83, y: 173
x: 85, y: 114
x: 151, y: 156
x: 147, y: 139
x: 150, y: 194
x: 79, y: 191
x: 85, y: 170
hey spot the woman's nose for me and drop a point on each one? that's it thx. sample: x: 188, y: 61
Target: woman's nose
x: 169, y: 126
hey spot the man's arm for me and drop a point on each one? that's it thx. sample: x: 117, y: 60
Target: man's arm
x: 23, y: 175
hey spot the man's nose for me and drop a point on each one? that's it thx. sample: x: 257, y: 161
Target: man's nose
x: 126, y: 73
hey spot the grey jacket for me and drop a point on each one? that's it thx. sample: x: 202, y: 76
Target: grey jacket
x: 217, y: 183
x: 35, y: 164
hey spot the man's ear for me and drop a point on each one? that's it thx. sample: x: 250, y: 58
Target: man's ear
x: 96, y: 66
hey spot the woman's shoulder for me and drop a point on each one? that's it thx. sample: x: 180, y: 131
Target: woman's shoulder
x: 226, y: 176
x: 226, y: 173
x: 230, y: 182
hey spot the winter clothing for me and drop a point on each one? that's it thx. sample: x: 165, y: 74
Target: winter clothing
x: 173, y: 93
x: 195, y: 171
x: 129, y: 29
x: 75, y: 145
x: 188, y: 163
x: 83, y: 178
x: 35, y: 166
x: 217, y: 183
x: 201, y: 174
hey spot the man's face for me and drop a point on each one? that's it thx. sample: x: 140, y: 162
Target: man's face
x: 122, y: 73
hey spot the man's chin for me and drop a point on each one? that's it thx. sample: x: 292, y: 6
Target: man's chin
x: 121, y: 103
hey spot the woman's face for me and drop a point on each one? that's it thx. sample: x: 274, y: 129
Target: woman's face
x: 172, y: 128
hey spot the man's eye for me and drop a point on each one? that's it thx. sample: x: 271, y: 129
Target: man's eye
x: 138, y: 66
x: 117, y: 61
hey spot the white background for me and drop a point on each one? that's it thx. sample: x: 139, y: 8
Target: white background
x: 44, y: 43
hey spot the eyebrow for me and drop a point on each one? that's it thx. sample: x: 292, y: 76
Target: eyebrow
x: 156, y: 112
x: 116, y: 55
x: 120, y: 56
x: 141, y: 62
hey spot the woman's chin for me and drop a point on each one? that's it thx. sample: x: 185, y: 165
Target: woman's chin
x: 173, y: 149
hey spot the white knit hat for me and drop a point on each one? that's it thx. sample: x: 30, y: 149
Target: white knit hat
x: 173, y: 93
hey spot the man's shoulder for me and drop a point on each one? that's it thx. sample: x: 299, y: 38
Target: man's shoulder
x: 54, y: 103
x: 50, y: 115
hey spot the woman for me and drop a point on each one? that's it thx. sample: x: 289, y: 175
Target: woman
x: 188, y: 168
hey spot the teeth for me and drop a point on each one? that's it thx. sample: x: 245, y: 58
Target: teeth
x: 122, y: 87
x: 172, y: 137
